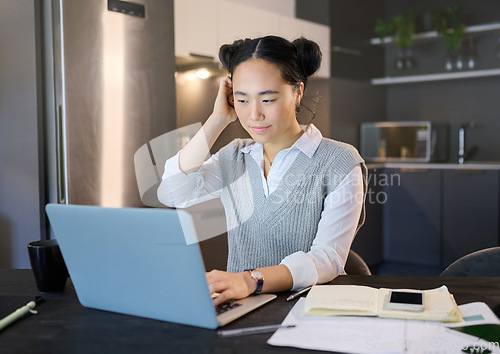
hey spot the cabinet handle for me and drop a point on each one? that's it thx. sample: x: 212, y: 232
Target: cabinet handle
x: 476, y: 171
x: 414, y: 170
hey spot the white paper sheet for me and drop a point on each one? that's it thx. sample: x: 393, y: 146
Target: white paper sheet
x: 369, y: 335
x: 448, y: 340
x: 475, y: 313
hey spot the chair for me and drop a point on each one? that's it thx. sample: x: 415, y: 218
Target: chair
x: 355, y: 265
x: 483, y: 263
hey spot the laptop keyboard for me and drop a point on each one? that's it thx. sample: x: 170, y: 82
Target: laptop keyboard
x: 226, y: 306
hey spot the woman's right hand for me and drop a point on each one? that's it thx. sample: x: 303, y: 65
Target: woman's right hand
x: 221, y: 106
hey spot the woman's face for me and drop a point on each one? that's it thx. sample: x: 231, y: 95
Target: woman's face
x: 265, y: 103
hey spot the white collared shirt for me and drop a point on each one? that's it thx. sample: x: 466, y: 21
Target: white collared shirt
x: 285, y: 158
x: 338, y: 222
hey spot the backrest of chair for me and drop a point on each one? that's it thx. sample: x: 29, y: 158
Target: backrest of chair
x: 355, y: 265
x: 483, y: 263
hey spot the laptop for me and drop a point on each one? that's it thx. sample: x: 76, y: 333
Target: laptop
x: 136, y: 261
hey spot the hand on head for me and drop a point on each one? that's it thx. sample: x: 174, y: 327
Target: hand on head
x: 221, y: 106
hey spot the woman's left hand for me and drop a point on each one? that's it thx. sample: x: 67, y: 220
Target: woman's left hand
x: 230, y: 285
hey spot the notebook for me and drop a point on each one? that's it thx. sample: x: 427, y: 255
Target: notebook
x: 136, y: 261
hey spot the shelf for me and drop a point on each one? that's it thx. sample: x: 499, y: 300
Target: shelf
x: 435, y: 77
x: 488, y: 27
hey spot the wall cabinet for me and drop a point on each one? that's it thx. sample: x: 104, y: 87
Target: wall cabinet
x: 201, y: 27
x: 470, y: 212
x: 195, y: 32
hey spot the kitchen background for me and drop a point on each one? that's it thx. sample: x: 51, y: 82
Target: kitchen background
x: 342, y: 99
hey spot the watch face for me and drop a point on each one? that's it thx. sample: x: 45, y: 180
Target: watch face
x: 257, y: 275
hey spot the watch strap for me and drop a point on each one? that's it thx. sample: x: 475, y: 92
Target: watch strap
x: 260, y: 282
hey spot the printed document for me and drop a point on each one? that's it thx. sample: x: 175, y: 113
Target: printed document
x: 354, y: 334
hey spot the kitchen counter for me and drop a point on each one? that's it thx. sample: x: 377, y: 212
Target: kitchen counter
x: 479, y: 165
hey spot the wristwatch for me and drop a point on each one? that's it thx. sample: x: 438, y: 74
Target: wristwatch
x: 259, y: 278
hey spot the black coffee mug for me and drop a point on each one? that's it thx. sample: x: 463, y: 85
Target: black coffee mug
x: 48, y: 265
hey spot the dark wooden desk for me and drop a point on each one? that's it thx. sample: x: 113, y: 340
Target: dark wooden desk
x: 64, y: 326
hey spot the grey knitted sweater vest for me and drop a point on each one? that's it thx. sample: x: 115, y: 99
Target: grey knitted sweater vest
x: 262, y: 231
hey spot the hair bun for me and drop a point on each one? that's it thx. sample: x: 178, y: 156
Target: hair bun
x: 308, y: 55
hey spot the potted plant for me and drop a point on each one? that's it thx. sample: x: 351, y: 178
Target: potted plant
x: 404, y: 28
x: 447, y: 23
x: 401, y: 28
x: 384, y: 29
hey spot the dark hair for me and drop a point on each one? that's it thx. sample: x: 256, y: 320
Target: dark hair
x: 297, y: 60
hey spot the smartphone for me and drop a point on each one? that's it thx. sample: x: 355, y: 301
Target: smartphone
x: 405, y: 301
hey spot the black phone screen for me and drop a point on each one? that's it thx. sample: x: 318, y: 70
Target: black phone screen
x: 401, y: 297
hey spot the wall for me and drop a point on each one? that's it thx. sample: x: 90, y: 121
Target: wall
x: 354, y: 102
x: 456, y: 101
x: 195, y: 101
x: 21, y: 174
x: 353, y: 99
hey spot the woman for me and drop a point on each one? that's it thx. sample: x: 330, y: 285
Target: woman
x: 293, y: 199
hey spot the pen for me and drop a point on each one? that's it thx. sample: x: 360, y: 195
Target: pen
x: 20, y: 312
x: 298, y: 293
x: 251, y: 330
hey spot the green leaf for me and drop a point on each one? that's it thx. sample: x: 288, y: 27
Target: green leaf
x: 383, y: 28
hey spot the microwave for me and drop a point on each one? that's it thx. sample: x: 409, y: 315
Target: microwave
x: 419, y: 141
